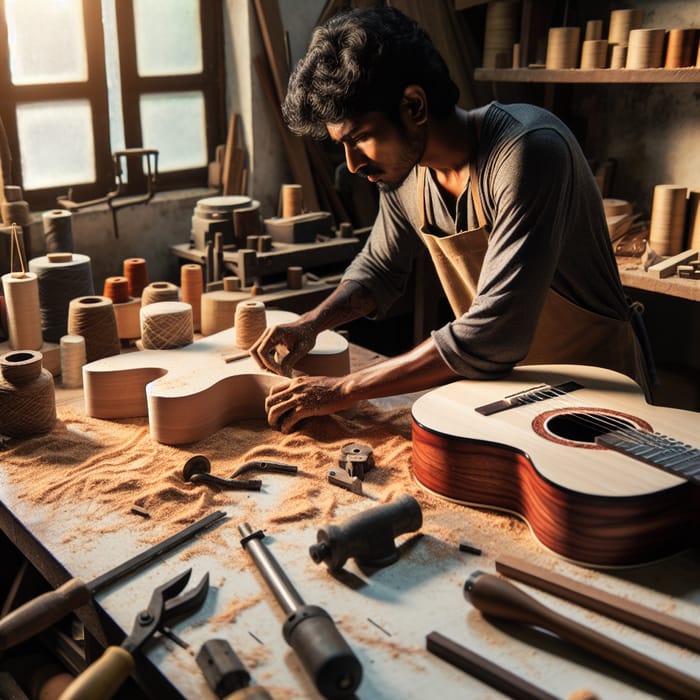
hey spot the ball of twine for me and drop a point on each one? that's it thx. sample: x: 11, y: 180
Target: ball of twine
x: 166, y: 325
x: 249, y: 323
x: 159, y: 291
x: 72, y: 360
x: 93, y: 317
x: 29, y: 407
x: 116, y: 289
x: 136, y: 272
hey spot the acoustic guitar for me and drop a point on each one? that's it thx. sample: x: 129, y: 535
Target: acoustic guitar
x: 601, y: 477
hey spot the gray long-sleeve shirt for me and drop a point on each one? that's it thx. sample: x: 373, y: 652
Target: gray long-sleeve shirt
x: 546, y: 228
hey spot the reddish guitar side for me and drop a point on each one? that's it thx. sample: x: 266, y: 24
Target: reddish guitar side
x: 537, y: 458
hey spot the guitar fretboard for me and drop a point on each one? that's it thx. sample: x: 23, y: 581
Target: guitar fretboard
x: 658, y: 450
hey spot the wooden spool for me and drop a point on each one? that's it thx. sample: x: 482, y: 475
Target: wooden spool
x: 250, y: 322
x: 562, y: 47
x: 621, y: 23
x: 645, y: 48
x: 292, y: 200
x: 679, y: 48
x: 500, y: 33
x: 594, y: 54
x: 667, y: 224
x: 191, y: 290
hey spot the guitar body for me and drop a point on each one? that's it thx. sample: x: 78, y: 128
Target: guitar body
x: 538, y: 460
x: 191, y: 392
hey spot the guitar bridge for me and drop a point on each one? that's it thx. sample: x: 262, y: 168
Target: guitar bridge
x: 533, y: 395
x: 658, y: 450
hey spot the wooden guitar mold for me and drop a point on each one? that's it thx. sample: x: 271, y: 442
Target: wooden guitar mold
x: 587, y: 503
x: 191, y: 392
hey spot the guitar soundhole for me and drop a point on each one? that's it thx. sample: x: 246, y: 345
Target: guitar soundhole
x: 580, y: 427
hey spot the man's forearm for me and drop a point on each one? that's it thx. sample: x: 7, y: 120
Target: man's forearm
x: 418, y: 369
x: 348, y: 301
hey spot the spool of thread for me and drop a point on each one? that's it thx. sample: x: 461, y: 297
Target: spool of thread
x: 667, y: 224
x: 694, y: 220
x: 219, y: 310
x: 594, y: 54
x: 295, y: 277
x: 62, y: 277
x: 621, y: 23
x: 292, y: 200
x: 93, y: 318
x: 192, y: 287
x: 13, y: 193
x: 679, y: 48
x: 618, y: 56
x: 594, y: 30
x: 72, y: 360
x: 15, y: 213
x: 159, y: 291
x: 562, y: 47
x: 27, y: 395
x: 136, y: 272
x: 166, y: 325
x: 58, y: 230
x: 500, y: 33
x: 645, y: 48
x: 117, y: 289
x: 250, y: 322
x: 21, y: 290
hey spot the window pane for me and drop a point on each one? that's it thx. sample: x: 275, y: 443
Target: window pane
x: 114, y: 83
x: 55, y: 143
x: 176, y: 48
x: 47, y: 43
x: 174, y: 123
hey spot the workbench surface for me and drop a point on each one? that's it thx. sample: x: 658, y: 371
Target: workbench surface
x: 384, y: 614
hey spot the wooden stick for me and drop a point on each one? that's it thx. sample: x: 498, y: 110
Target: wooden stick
x: 483, y: 669
x: 667, y: 627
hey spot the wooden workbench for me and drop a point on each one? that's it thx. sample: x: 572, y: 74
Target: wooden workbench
x: 385, y: 615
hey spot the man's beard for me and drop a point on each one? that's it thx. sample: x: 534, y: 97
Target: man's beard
x: 408, y: 160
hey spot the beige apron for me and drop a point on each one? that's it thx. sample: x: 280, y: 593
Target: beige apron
x: 566, y: 333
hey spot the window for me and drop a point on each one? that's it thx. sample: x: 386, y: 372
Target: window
x: 86, y: 78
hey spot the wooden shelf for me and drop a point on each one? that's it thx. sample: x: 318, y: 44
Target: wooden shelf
x: 575, y: 75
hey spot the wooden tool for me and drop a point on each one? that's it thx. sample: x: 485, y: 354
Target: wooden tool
x: 499, y: 599
x: 483, y: 669
x: 43, y: 611
x: 527, y: 444
x: 669, y: 627
x: 191, y: 392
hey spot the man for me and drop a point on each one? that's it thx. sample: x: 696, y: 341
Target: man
x: 501, y: 196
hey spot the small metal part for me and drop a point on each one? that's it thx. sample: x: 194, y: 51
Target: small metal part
x: 342, y: 479
x: 197, y: 470
x: 464, y: 547
x: 222, y: 668
x: 357, y: 459
x: 138, y: 510
x: 260, y: 465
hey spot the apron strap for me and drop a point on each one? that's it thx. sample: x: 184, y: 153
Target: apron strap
x: 474, y: 187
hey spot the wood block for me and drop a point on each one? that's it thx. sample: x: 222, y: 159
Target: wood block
x: 667, y: 267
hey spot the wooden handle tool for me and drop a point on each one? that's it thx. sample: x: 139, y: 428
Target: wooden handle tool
x: 102, y: 679
x: 498, y: 598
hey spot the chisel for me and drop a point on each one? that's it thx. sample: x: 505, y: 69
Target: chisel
x: 43, y: 611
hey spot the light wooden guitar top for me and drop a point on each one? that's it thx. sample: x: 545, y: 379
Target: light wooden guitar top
x: 190, y: 392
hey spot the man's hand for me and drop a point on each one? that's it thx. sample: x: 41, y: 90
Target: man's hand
x: 305, y: 396
x: 280, y: 347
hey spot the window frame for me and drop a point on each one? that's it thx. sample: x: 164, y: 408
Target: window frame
x: 210, y: 82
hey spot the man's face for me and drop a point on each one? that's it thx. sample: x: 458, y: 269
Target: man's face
x: 378, y: 149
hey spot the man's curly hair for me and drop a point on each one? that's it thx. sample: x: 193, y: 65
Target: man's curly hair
x: 361, y: 61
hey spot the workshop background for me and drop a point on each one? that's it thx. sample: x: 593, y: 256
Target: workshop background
x: 66, y: 142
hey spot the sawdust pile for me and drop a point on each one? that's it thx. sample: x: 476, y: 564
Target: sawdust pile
x: 115, y: 465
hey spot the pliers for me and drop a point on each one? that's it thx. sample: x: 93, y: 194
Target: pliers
x: 101, y: 680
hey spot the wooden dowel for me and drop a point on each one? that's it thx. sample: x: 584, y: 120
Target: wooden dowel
x: 667, y: 627
x: 490, y: 673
